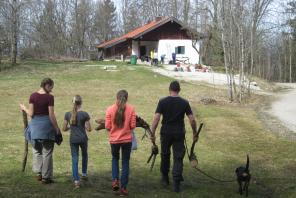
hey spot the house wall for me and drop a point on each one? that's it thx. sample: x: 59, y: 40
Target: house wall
x: 124, y: 49
x: 150, y: 40
x: 167, y: 47
x: 166, y: 31
x: 135, y: 48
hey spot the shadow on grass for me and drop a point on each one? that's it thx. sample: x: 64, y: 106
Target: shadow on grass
x: 142, y: 183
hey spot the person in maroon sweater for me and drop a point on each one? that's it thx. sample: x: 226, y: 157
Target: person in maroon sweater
x: 43, y: 128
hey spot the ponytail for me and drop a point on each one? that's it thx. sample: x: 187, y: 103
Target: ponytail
x: 77, y: 101
x: 122, y: 96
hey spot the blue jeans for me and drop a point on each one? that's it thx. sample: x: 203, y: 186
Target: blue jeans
x: 75, y: 157
x: 125, y: 154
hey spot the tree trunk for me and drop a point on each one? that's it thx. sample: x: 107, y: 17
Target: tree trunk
x: 242, y: 85
x: 226, y: 50
x: 285, y: 65
x: 0, y: 52
x: 14, y: 31
x: 290, y: 59
x: 186, y: 11
x: 280, y: 66
x: 175, y: 4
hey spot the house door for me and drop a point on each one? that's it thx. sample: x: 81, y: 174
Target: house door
x: 142, y: 51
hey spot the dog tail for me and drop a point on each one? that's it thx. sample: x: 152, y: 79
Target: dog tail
x: 247, y: 165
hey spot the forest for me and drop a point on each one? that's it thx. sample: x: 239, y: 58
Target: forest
x: 249, y: 37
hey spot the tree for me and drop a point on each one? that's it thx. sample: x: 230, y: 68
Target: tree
x: 47, y: 29
x: 259, y: 9
x: 10, y: 11
x: 2, y: 41
x: 130, y: 17
x: 292, y: 38
x: 81, y: 20
x: 186, y: 11
x: 105, y: 20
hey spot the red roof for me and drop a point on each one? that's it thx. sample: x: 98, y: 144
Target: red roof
x: 137, y: 32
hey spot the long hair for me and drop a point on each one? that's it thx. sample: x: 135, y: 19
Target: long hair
x: 121, y: 101
x: 77, y: 101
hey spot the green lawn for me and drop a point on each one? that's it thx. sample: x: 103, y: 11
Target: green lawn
x: 231, y: 131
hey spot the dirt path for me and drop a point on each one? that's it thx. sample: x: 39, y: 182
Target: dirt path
x: 207, y: 77
x: 284, y: 108
x: 278, y: 114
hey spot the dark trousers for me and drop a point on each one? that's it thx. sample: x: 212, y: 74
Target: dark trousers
x: 125, y: 154
x: 174, y: 138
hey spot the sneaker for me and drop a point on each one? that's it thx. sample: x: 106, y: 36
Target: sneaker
x: 47, y: 181
x: 39, y: 177
x: 115, y: 185
x: 76, y: 184
x: 123, y: 192
x: 176, y: 186
x: 165, y: 180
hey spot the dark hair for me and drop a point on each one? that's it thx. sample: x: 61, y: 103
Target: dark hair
x: 122, y: 96
x: 77, y: 101
x: 175, y: 86
x: 46, y: 81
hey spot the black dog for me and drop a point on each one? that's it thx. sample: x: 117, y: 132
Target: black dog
x: 243, y: 176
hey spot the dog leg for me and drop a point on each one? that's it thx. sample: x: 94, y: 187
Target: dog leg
x: 247, y: 188
x: 245, y: 184
x: 240, y: 189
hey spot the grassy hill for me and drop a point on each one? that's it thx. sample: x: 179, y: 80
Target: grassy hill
x: 231, y: 132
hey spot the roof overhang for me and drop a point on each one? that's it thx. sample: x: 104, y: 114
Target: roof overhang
x: 171, y: 19
x: 192, y: 33
x: 112, y: 44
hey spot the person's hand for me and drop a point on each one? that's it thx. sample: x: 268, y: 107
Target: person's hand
x: 58, y: 131
x: 195, y: 138
x: 22, y: 107
x: 59, y: 138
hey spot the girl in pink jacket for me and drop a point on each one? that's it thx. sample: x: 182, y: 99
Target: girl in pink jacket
x: 120, y: 121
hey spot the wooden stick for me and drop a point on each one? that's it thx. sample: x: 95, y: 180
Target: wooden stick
x: 194, y: 142
x: 25, y: 120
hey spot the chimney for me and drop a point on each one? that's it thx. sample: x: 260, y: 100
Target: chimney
x: 158, y: 18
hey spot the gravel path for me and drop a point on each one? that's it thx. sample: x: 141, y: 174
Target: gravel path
x: 208, y: 77
x: 285, y: 107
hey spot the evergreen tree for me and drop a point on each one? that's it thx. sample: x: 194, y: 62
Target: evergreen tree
x: 105, y: 20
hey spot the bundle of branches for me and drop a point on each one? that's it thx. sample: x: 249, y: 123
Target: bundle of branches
x: 140, y: 122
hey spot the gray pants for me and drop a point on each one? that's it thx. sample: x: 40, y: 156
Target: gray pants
x: 42, y: 158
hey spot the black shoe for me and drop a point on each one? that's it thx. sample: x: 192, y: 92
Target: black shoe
x: 176, y: 186
x: 47, y: 181
x: 165, y: 180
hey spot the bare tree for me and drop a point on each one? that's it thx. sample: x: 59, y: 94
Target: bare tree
x: 10, y: 10
x: 224, y: 25
x: 81, y: 25
x: 186, y: 11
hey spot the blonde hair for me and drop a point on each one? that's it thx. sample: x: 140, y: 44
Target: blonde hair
x: 122, y: 96
x: 77, y: 101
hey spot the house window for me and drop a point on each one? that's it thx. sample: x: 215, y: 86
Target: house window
x: 180, y: 50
